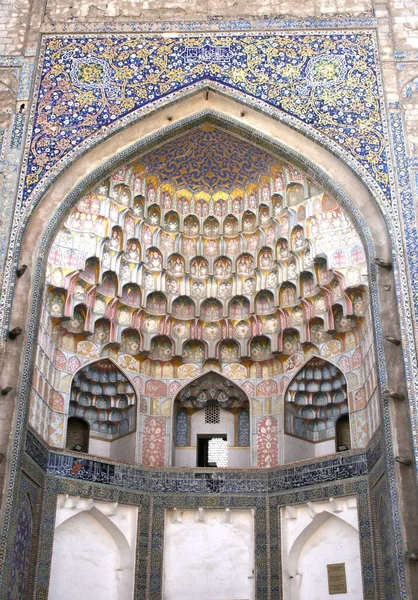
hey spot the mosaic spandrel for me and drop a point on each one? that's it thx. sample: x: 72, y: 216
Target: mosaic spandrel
x: 327, y: 81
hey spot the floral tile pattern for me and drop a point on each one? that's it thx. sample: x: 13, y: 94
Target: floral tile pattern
x: 153, y: 446
x: 326, y: 80
x: 267, y: 450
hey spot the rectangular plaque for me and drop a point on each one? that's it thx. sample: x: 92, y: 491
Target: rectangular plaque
x: 337, y: 581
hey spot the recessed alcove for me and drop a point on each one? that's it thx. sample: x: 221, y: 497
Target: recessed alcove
x: 200, y: 535
x: 212, y: 424
x: 102, y: 412
x: 316, y: 412
x: 93, y: 554
x: 174, y: 277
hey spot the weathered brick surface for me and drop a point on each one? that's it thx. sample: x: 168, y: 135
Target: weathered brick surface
x: 58, y: 10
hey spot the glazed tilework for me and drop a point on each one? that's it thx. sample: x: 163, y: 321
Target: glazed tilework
x: 20, y: 558
x: 244, y: 434
x: 169, y: 480
x: 18, y: 571
x: 17, y: 131
x: 25, y: 81
x: 12, y: 144
x: 149, y: 558
x: 208, y: 159
x: 364, y: 20
x: 108, y: 492
x: 326, y: 81
x: 406, y: 240
x: 385, y: 551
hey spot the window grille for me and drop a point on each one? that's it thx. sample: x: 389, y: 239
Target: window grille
x: 212, y: 413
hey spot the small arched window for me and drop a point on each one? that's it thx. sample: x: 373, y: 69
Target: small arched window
x: 343, y: 438
x: 77, y: 435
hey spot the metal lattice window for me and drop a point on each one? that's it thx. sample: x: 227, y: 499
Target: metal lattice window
x: 212, y: 413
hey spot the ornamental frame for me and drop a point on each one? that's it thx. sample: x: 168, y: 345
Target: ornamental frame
x: 394, y: 216
x: 150, y: 532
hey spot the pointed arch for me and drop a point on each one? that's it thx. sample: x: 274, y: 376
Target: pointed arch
x: 206, y: 115
x: 210, y: 406
x: 315, y: 399
x: 327, y: 538
x: 110, y: 568
x: 307, y: 533
x: 329, y: 170
x: 104, y: 397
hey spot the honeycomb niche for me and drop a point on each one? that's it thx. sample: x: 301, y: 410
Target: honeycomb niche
x: 315, y: 402
x: 207, y: 254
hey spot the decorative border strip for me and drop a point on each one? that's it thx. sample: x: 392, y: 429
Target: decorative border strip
x: 209, y: 482
x: 337, y: 21
x: 312, y: 472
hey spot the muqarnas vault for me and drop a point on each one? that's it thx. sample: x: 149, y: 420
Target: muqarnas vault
x: 212, y: 376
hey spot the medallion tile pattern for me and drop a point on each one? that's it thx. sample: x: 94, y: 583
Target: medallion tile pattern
x: 17, y: 573
x: 327, y: 81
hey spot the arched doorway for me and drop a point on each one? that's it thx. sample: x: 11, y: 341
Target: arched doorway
x: 211, y: 424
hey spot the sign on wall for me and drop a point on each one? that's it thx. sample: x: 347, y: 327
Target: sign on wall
x: 337, y: 581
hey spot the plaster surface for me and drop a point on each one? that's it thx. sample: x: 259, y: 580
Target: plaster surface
x: 315, y: 535
x: 217, y: 555
x: 94, y: 549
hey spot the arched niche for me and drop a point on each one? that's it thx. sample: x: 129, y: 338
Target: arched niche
x: 328, y: 171
x: 342, y: 434
x: 71, y: 575
x: 91, y: 555
x: 211, y: 424
x: 314, y: 537
x: 78, y: 434
x: 102, y: 414
x: 316, y: 412
x: 238, y: 317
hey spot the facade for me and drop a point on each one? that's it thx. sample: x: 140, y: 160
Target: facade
x: 209, y: 299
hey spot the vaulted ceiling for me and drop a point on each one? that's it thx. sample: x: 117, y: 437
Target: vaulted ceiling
x: 207, y: 248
